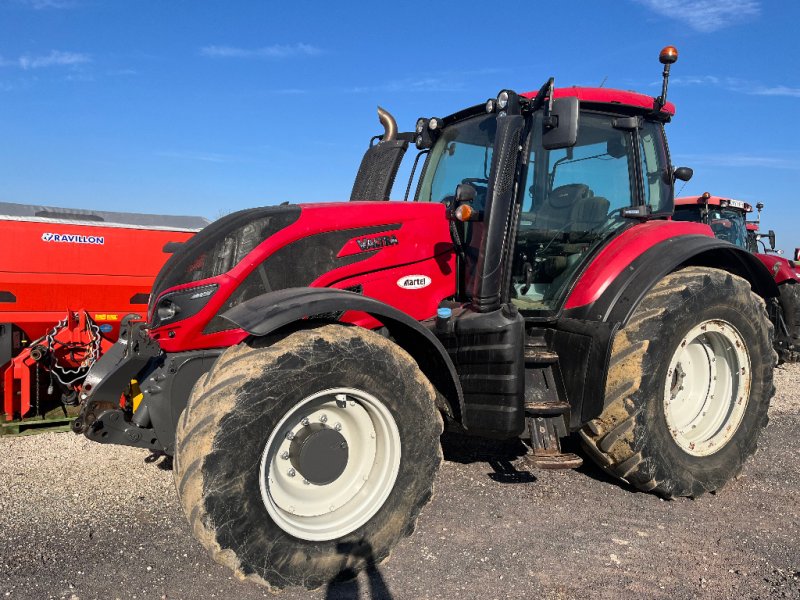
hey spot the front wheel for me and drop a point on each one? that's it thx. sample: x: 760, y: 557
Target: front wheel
x: 310, y: 458
x: 689, y: 384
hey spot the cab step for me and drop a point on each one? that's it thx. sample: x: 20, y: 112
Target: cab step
x: 536, y: 356
x: 554, y: 461
x: 545, y: 445
x: 546, y: 408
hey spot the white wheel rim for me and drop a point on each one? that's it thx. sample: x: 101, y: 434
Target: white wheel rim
x: 707, y: 387
x: 325, y: 512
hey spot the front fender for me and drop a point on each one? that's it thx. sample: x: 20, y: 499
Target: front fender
x: 270, y: 312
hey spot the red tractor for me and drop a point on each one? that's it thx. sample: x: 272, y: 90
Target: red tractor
x: 299, y: 360
x: 728, y: 220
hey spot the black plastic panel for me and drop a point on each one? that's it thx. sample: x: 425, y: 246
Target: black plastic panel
x: 301, y: 262
x: 140, y: 298
x: 487, y: 350
x: 5, y: 343
x: 378, y: 170
x: 167, y: 390
x: 220, y: 246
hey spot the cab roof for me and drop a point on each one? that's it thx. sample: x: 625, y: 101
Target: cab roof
x: 713, y: 201
x: 591, y: 95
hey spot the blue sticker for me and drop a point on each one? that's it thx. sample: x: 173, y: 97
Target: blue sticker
x: 106, y: 328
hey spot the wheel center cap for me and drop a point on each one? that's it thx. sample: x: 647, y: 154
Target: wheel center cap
x: 319, y: 454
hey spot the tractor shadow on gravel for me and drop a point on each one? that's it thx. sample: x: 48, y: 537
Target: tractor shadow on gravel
x: 505, y: 457
x: 164, y: 465
x: 501, y: 455
x: 590, y: 469
x: 346, y: 587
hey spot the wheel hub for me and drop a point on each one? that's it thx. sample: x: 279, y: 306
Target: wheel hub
x: 707, y: 387
x: 319, y: 454
x: 330, y: 463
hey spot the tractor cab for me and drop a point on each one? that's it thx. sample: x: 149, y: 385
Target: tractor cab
x: 726, y: 217
x: 728, y: 220
x: 560, y: 171
x: 610, y: 171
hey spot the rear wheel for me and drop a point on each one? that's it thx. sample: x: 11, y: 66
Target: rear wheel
x: 689, y: 384
x: 790, y: 307
x: 307, y: 459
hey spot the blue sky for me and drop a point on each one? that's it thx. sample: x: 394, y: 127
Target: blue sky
x: 203, y: 107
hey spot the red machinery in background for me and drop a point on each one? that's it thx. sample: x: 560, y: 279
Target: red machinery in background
x: 68, y: 277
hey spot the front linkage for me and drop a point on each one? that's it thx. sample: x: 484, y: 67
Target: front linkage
x: 102, y: 416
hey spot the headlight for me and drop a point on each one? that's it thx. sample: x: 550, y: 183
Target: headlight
x: 177, y: 306
x: 502, y: 100
x: 167, y: 310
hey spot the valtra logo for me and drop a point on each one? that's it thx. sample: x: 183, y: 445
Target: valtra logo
x: 414, y: 282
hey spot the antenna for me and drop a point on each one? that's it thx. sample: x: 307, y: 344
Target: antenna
x: 602, y: 83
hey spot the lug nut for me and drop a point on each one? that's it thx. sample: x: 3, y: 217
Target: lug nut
x: 291, y: 472
x: 285, y: 455
x: 323, y: 419
x: 304, y: 422
x: 338, y: 427
x: 290, y: 435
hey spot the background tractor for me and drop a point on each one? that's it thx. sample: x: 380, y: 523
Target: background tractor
x: 299, y: 360
x: 728, y: 220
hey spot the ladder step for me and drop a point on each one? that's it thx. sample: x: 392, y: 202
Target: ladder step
x: 547, y: 408
x: 554, y: 461
x: 540, y: 356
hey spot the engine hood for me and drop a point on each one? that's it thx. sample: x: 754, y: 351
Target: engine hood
x: 398, y: 252
x: 781, y: 269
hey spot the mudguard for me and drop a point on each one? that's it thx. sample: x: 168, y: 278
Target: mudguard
x: 615, y: 303
x: 610, y: 304
x: 268, y: 313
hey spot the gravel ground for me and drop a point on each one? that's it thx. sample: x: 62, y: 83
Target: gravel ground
x: 80, y: 520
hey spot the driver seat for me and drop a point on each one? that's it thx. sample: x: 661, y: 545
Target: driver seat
x: 588, y: 213
x: 557, y: 210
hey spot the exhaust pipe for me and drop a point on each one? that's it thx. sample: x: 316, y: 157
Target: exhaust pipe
x: 389, y: 125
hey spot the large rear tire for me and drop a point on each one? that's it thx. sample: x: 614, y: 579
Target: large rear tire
x: 306, y: 460
x: 689, y: 384
x: 790, y: 306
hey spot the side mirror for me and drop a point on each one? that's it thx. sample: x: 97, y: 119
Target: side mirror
x: 682, y: 173
x: 771, y: 236
x: 562, y: 131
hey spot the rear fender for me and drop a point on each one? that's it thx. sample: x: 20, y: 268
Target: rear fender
x: 614, y: 306
x: 616, y: 303
x: 270, y: 312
